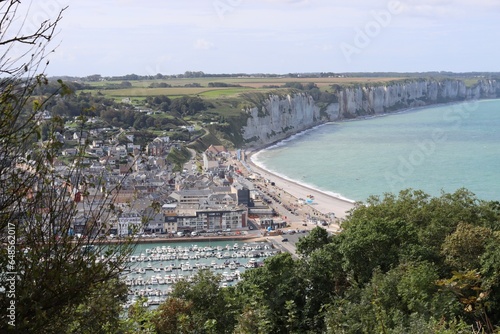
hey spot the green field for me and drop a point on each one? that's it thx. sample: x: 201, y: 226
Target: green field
x: 171, y: 91
x: 140, y: 88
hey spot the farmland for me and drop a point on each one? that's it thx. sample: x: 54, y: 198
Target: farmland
x: 178, y: 87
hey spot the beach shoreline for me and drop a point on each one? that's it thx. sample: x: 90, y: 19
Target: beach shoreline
x: 325, y: 204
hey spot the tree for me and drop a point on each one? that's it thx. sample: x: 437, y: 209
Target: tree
x: 418, y: 264
x: 174, y: 316
x: 52, y: 279
x: 462, y: 249
x: 317, y: 238
x: 375, y: 243
x: 277, y: 289
x: 323, y: 279
x: 202, y: 303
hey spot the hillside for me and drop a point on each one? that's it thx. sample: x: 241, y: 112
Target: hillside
x: 251, y: 111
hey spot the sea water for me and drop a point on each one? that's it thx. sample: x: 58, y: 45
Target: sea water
x: 435, y: 149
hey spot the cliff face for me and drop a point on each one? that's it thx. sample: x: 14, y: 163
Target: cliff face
x: 280, y: 117
x: 370, y: 100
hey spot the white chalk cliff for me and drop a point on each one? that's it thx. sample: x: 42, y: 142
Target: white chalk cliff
x: 279, y: 117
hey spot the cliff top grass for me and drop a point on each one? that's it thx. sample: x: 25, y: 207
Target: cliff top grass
x: 236, y: 86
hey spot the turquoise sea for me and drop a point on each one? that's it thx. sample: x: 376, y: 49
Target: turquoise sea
x: 438, y: 148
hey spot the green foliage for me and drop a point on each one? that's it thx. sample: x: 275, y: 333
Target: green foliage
x: 222, y: 84
x: 376, y: 243
x: 398, y: 248
x: 178, y: 157
x: 276, y: 288
x: 139, y: 319
x: 59, y: 284
x: 101, y: 311
x: 462, y: 249
x: 187, y: 105
x: 323, y: 279
x: 204, y: 142
x: 317, y: 238
x: 255, y: 99
x: 201, y: 304
x: 161, y: 102
x: 174, y: 316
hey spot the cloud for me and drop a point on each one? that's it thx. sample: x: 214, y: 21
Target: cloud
x: 203, y: 44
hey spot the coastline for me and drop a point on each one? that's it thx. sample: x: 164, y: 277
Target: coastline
x: 255, y: 149
x: 323, y: 202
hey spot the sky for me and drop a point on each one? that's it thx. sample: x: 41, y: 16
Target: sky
x: 118, y: 37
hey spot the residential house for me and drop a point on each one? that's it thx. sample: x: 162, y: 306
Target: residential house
x: 217, y: 151
x: 129, y: 223
x: 109, y: 160
x: 169, y: 211
x: 70, y: 152
x: 156, y: 149
x: 81, y: 137
x: 96, y: 143
x: 190, y: 128
x: 154, y: 222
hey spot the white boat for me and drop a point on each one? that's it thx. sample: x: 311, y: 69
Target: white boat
x: 186, y: 266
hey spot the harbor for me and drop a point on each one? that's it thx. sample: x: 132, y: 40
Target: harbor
x: 154, y: 268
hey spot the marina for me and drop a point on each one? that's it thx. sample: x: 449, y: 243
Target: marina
x: 154, y: 268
